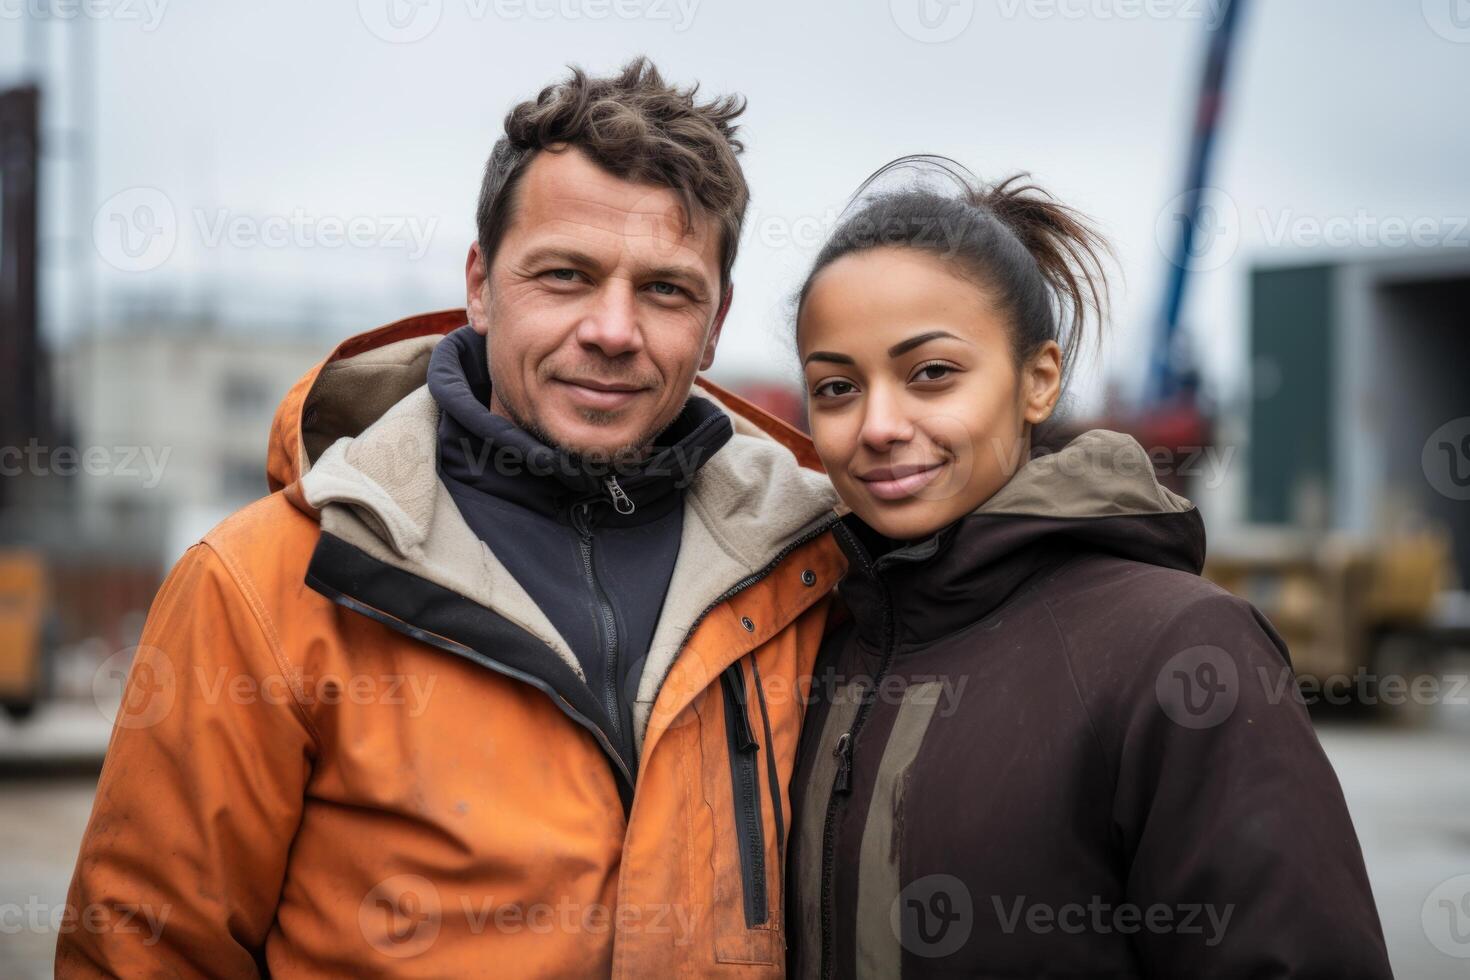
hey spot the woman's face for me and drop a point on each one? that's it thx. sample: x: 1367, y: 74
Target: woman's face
x: 917, y: 407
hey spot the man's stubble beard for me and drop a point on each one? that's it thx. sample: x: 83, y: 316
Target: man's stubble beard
x: 638, y: 449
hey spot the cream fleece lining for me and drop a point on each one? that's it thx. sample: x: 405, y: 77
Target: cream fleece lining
x: 380, y: 491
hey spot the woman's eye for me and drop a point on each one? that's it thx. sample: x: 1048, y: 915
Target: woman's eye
x: 830, y: 389
x: 932, y: 372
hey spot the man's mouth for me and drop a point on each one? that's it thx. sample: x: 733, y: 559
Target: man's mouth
x: 601, y: 394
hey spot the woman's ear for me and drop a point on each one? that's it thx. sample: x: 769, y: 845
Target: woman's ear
x: 1041, y: 383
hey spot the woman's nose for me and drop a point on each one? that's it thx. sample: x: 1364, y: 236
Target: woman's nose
x: 885, y: 421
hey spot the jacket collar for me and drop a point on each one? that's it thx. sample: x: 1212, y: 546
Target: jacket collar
x: 355, y: 445
x: 490, y: 453
x: 367, y: 373
x: 1098, y: 494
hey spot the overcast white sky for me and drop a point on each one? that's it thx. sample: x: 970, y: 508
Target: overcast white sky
x: 282, y: 112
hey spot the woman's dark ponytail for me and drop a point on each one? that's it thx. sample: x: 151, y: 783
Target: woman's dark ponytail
x: 1041, y: 260
x: 1069, y: 253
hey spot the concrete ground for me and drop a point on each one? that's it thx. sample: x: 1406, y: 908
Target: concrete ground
x: 1409, y: 793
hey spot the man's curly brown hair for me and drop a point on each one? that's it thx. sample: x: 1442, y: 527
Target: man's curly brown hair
x: 637, y: 127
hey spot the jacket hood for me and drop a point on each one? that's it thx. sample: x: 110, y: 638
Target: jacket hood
x: 541, y: 478
x: 1098, y: 494
x: 355, y: 445
x: 368, y: 373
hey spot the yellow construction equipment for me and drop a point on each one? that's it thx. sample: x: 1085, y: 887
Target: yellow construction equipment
x: 23, y: 635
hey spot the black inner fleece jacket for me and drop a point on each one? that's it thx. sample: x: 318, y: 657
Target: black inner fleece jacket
x: 519, y: 496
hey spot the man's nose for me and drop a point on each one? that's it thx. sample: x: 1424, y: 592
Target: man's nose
x: 611, y: 325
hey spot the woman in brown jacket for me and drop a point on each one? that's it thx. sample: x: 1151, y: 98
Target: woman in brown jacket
x: 1042, y: 746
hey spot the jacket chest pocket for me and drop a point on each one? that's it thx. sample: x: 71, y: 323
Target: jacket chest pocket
x: 746, y: 825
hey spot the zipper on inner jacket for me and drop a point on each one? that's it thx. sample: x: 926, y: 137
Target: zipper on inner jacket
x: 842, y: 781
x: 621, y: 501
x: 609, y: 621
x: 745, y: 777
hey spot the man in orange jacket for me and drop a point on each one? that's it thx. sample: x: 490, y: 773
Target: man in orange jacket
x: 504, y: 676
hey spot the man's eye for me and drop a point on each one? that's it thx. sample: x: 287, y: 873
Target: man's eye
x: 666, y: 288
x: 563, y: 275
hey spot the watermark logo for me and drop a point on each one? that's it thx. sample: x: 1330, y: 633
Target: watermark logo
x: 135, y: 687
x: 1198, y: 687
x: 683, y: 696
x: 658, y: 226
x: 144, y: 463
x: 149, y: 13
x: 403, y: 916
x: 407, y: 21
x: 1212, y: 12
x: 302, y: 229
x: 932, y: 21
x: 136, y: 230
x: 1216, y: 230
x: 117, y: 918
x: 1446, y: 917
x: 400, y: 917
x: 933, y: 916
x: 679, y: 14
x: 1364, y: 688
x: 1361, y: 229
x: 1450, y: 19
x: 1220, y: 227
x: 409, y: 691
x: 400, y: 21
x: 1446, y: 459
x: 1102, y: 918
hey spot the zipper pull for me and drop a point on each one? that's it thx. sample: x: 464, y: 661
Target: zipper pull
x: 621, y: 501
x: 744, y: 734
x: 843, y: 752
x: 579, y: 518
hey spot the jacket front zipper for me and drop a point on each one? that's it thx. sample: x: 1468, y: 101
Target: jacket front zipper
x: 606, y: 615
x: 842, y: 780
x: 811, y: 534
x: 745, y: 777
x: 774, y: 777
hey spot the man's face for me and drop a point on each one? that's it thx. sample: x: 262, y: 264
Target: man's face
x: 598, y: 308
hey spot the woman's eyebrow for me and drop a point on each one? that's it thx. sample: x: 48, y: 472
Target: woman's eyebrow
x: 829, y: 356
x: 904, y: 346
x: 897, y: 350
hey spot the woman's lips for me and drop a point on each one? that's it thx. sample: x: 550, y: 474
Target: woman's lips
x: 899, y: 487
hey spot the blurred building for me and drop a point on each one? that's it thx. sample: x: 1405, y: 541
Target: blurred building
x: 1361, y: 372
x: 175, y: 417
x: 1357, y: 535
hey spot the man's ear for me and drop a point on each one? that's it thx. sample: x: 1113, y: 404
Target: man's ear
x: 714, y: 334
x: 475, y: 277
